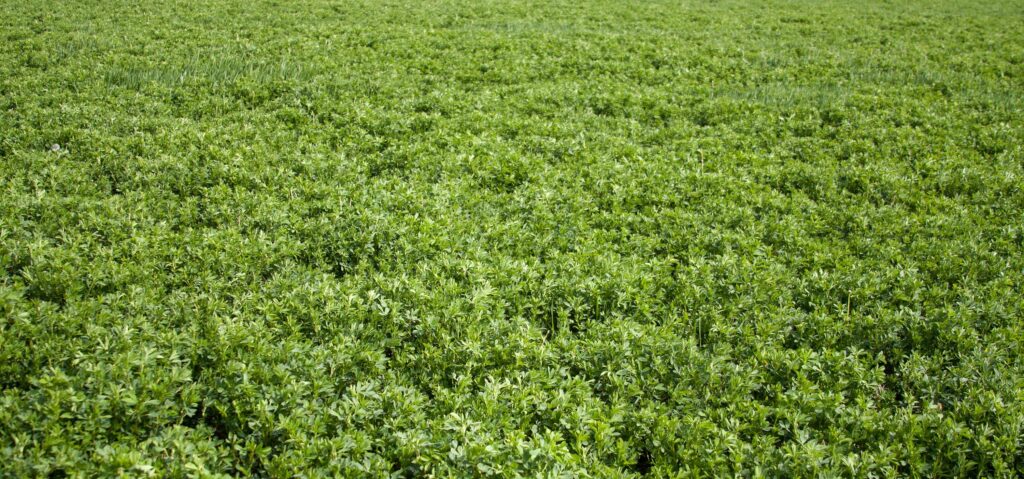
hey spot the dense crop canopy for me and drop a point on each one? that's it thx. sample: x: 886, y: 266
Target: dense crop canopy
x: 606, y: 239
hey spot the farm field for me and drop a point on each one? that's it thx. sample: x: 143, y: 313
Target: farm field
x: 598, y: 239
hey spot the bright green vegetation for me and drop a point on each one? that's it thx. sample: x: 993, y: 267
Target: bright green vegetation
x: 462, y: 239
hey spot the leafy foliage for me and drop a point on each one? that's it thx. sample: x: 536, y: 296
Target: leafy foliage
x: 601, y: 239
